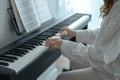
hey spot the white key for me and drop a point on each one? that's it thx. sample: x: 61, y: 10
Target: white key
x: 26, y: 59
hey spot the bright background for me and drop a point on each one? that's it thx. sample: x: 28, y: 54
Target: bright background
x: 64, y: 7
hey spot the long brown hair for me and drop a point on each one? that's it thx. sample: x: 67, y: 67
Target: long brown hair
x: 105, y: 9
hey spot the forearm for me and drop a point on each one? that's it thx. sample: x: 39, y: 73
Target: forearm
x: 86, y: 36
x: 75, y: 52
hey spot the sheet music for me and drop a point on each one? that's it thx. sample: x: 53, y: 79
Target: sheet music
x: 43, y: 10
x: 17, y: 17
x: 28, y: 14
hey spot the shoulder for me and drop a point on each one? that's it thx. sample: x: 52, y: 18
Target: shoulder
x: 114, y: 14
x: 116, y: 6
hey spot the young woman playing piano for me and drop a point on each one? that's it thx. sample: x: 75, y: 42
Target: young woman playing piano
x: 102, y: 52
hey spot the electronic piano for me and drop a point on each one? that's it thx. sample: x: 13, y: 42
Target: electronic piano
x: 27, y: 58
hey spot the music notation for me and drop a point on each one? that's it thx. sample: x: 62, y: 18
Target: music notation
x: 43, y: 10
x: 30, y: 14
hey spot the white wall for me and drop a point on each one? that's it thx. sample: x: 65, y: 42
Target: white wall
x: 95, y: 12
x: 82, y: 6
x: 7, y: 33
x: 52, y: 6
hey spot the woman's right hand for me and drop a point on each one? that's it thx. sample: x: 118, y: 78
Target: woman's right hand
x: 66, y: 32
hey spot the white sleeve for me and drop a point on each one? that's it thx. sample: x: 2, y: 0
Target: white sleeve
x: 86, y: 36
x: 76, y: 52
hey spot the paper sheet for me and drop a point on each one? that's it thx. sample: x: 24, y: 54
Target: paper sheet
x: 43, y: 10
x: 28, y: 14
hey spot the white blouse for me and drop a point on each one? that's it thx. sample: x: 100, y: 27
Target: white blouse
x: 103, y: 46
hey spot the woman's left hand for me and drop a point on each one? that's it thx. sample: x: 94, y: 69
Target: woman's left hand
x: 53, y: 43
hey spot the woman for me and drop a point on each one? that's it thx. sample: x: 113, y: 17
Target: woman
x: 102, y: 50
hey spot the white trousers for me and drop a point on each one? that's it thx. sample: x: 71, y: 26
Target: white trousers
x: 82, y: 74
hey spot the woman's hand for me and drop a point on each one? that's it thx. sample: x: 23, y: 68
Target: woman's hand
x: 53, y: 43
x: 66, y: 32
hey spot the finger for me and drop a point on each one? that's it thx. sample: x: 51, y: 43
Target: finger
x: 63, y: 29
x: 49, y: 44
x: 53, y: 45
x: 49, y: 41
x: 63, y: 35
x: 65, y: 32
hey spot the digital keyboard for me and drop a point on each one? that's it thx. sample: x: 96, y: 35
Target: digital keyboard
x: 27, y: 59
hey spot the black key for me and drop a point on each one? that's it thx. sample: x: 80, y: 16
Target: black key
x: 44, y: 38
x: 4, y: 63
x: 34, y: 44
x: 31, y: 43
x: 15, y: 54
x: 38, y: 42
x: 47, y: 34
x: 28, y: 45
x: 21, y: 50
x: 34, y: 41
x: 10, y: 57
x: 18, y: 52
x: 6, y: 59
x: 41, y: 37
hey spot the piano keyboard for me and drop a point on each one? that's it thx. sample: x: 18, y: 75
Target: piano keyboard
x: 19, y: 57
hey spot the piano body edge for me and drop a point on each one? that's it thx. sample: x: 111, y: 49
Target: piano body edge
x: 42, y: 62
x: 7, y: 74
